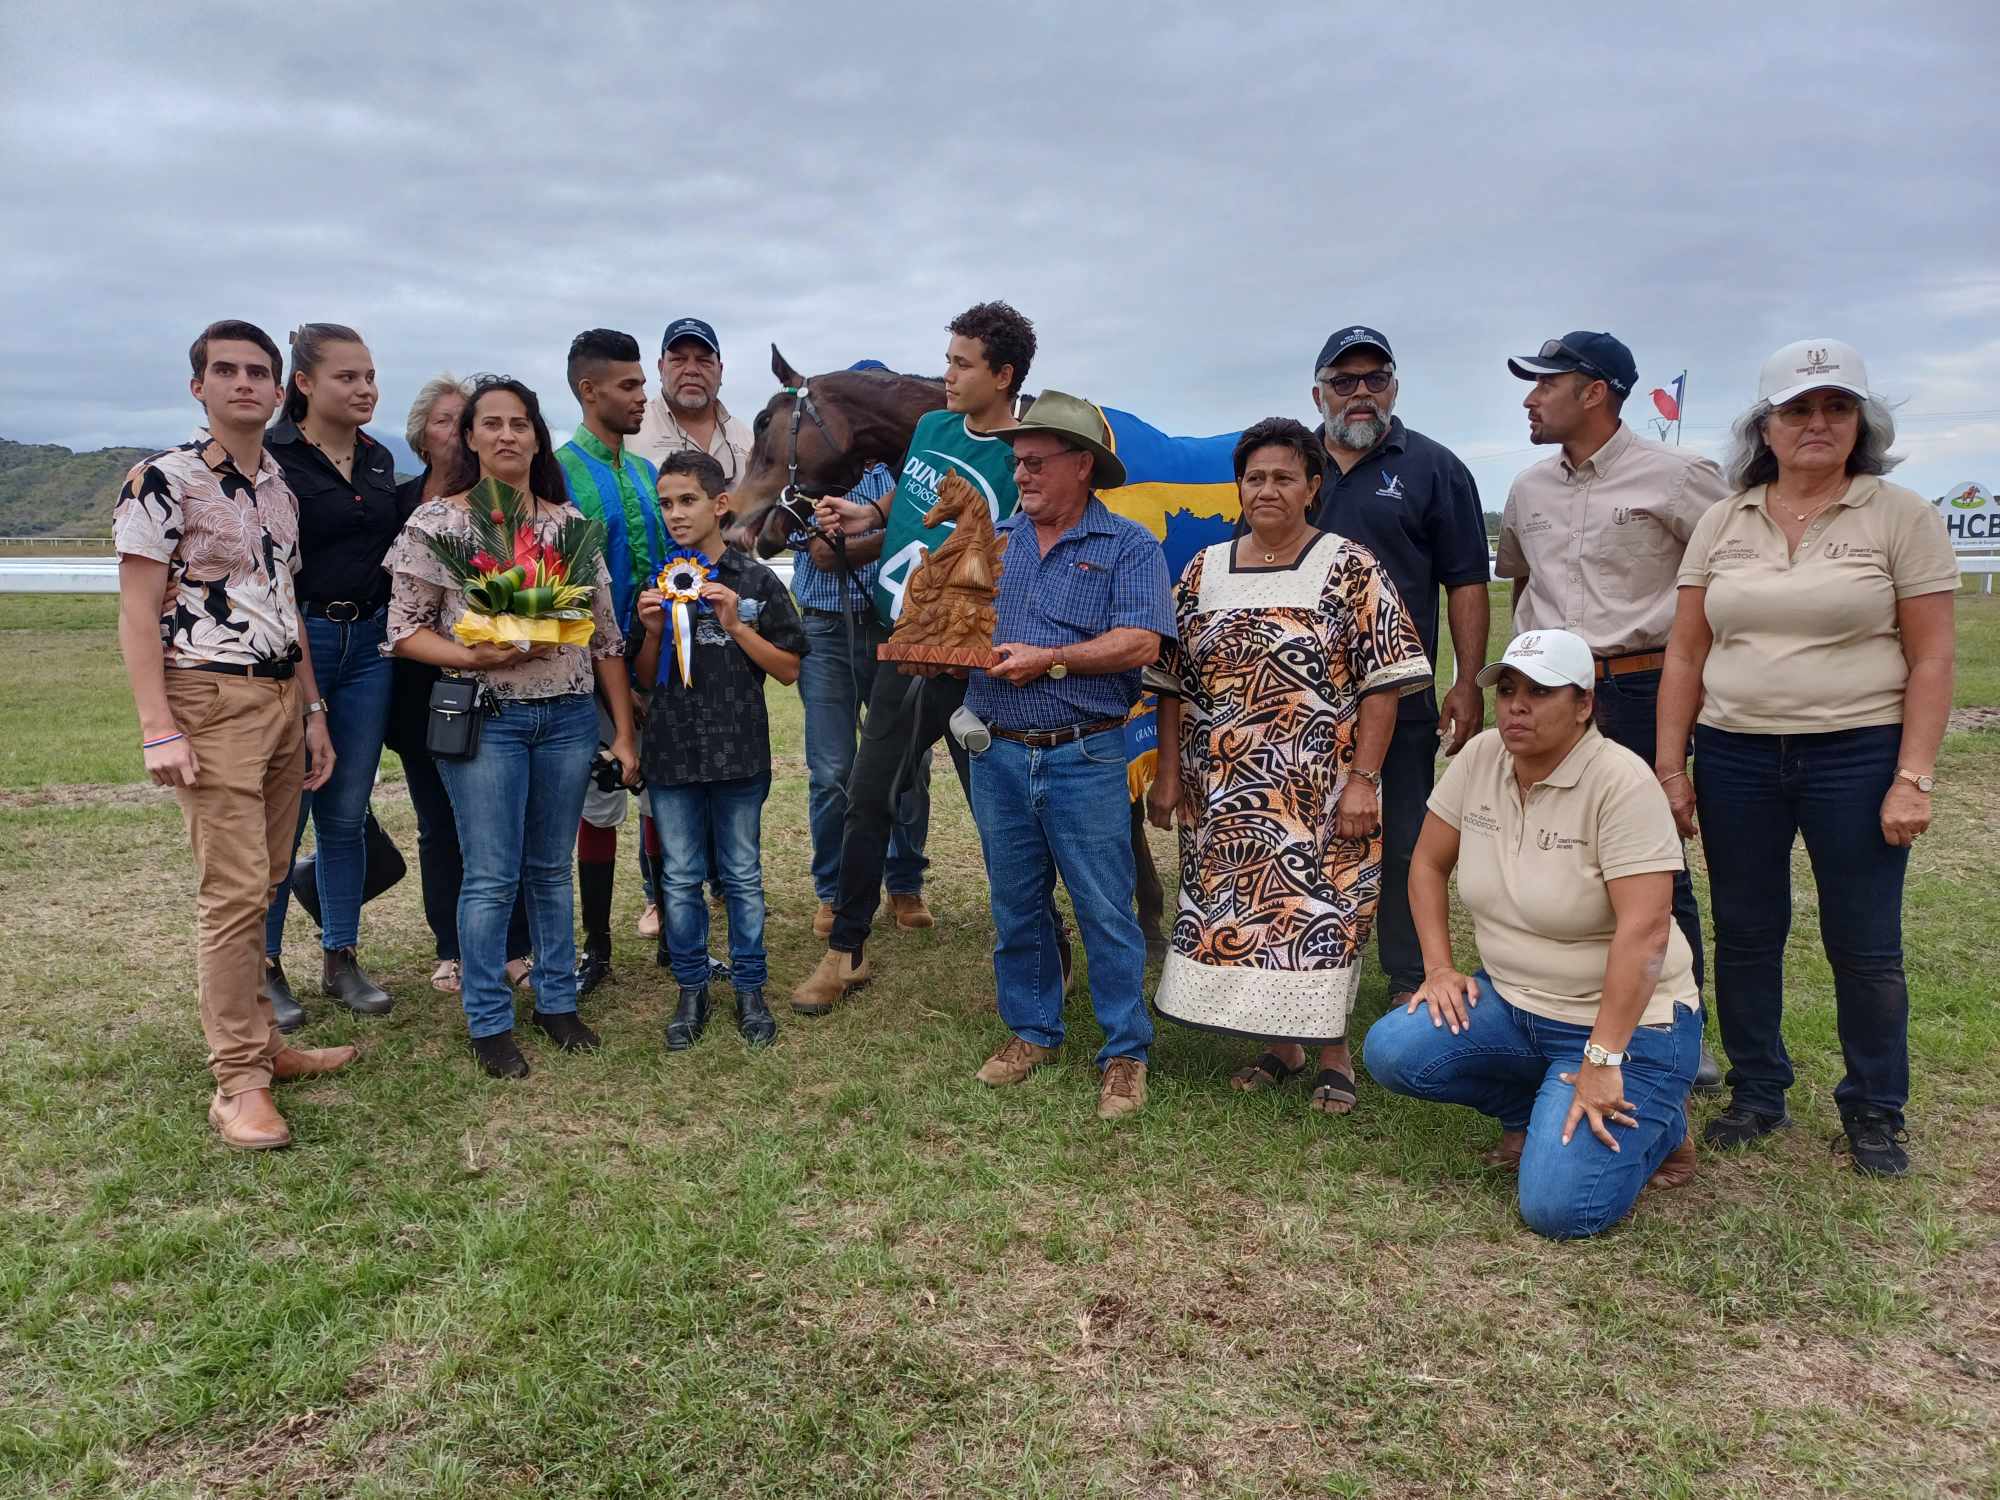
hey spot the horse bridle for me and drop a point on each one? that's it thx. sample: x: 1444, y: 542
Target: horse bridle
x: 802, y: 406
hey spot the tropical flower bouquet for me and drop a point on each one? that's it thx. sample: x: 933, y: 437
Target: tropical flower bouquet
x: 518, y: 588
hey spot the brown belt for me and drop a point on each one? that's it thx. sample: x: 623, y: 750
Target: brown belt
x: 1048, y: 739
x: 1618, y: 666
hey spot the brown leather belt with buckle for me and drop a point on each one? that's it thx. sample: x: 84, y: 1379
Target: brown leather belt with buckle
x: 1048, y: 739
x: 1618, y: 666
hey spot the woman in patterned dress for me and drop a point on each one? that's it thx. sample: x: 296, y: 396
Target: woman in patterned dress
x: 1276, y: 706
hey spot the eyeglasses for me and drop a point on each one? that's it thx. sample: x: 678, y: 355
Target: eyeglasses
x: 1031, y: 463
x: 1833, y: 408
x: 1377, y: 382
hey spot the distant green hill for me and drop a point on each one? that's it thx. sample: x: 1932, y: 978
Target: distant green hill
x: 49, y: 491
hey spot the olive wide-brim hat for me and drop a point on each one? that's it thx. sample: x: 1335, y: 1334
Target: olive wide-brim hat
x: 1078, y: 421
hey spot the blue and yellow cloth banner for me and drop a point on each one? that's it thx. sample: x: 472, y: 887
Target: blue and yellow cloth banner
x: 1183, y: 490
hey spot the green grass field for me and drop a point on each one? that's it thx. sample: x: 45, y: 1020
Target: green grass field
x: 843, y: 1268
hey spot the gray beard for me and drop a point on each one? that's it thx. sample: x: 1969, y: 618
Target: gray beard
x: 1359, y: 435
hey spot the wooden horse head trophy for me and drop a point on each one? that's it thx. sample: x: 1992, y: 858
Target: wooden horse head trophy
x: 947, y: 617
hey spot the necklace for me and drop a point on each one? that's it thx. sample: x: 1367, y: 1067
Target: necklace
x: 1785, y: 505
x: 1272, y: 557
x: 341, y: 465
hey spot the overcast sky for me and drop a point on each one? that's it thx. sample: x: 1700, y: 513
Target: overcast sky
x: 1184, y: 201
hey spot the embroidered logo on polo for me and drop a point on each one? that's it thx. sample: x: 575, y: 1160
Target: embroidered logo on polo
x: 1562, y: 842
x: 1391, y: 486
x: 1537, y: 524
x: 1847, y: 549
x: 1621, y: 515
x: 1481, y: 820
x: 1729, y: 549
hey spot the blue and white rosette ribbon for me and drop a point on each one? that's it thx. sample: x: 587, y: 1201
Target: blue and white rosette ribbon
x: 679, y: 583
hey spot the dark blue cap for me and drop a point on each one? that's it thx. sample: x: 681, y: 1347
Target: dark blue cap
x: 1354, y: 336
x: 689, y: 328
x: 1597, y: 355
x: 868, y: 364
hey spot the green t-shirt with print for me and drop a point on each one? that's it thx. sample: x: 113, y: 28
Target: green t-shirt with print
x: 941, y: 445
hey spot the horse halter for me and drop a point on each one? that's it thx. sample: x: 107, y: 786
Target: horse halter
x: 802, y: 406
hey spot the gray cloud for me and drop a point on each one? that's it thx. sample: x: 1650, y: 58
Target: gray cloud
x: 1184, y: 200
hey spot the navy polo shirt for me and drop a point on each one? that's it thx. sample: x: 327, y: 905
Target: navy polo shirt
x: 1414, y: 505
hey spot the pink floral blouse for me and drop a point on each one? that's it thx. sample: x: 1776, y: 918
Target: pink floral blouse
x: 423, y: 597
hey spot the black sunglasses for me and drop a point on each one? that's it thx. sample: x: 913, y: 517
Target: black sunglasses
x: 1377, y: 382
x: 1556, y: 348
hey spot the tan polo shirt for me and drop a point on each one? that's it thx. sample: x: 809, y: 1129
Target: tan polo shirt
x: 1533, y: 875
x: 1600, y: 544
x: 660, y: 434
x: 1807, y: 643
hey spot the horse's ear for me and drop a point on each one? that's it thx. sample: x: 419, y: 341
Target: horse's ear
x: 782, y: 368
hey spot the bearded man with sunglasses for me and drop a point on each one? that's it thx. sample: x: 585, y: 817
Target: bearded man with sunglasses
x: 1410, y: 501
x: 1592, y: 537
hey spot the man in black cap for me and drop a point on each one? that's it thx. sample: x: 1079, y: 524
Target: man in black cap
x: 1409, y: 500
x: 688, y: 414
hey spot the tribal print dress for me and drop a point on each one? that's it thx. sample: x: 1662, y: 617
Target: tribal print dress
x: 1270, y: 668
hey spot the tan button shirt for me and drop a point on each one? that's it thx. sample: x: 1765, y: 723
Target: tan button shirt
x: 1600, y: 544
x: 1807, y: 643
x: 660, y: 434
x: 1534, y: 875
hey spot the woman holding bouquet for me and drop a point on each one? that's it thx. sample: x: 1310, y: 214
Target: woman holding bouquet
x: 517, y: 799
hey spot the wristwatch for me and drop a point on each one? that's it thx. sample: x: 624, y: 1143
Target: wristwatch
x: 1597, y: 1057
x: 317, y: 706
x: 1058, y: 669
x: 1373, y: 778
x: 1916, y: 779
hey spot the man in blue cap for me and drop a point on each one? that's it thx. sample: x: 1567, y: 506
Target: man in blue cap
x: 688, y: 413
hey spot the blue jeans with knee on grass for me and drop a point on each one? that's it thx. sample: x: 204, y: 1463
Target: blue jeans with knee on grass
x: 731, y: 815
x: 1507, y: 1063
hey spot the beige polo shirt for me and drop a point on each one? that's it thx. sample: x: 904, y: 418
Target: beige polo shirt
x: 660, y: 434
x: 1533, y: 874
x: 1600, y: 544
x: 1806, y: 643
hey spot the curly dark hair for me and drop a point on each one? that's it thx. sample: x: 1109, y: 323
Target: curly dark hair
x: 1280, y: 432
x: 1007, y: 337
x: 545, y: 475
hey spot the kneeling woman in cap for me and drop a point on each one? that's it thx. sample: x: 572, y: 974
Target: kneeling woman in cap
x: 1581, y: 1031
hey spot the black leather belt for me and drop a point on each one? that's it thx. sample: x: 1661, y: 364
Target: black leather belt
x: 1048, y: 739
x: 277, y: 670
x: 341, y: 611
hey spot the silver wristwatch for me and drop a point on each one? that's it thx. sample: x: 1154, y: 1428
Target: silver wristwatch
x: 1597, y: 1057
x: 316, y: 706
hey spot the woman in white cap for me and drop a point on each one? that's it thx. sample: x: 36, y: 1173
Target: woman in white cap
x: 1581, y: 1027
x: 1814, y: 633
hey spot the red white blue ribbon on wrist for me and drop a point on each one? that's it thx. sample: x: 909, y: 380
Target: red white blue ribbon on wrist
x: 679, y: 583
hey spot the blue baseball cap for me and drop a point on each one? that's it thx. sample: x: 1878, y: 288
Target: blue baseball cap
x: 1598, y: 355
x: 867, y: 364
x: 1354, y: 336
x: 689, y: 328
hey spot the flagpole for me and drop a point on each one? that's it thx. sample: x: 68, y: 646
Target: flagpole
x: 1680, y: 406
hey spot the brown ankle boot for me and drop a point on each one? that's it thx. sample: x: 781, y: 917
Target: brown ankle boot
x: 838, y: 975
x: 308, y: 1062
x: 1013, y: 1063
x: 911, y: 913
x: 1678, y: 1168
x: 249, y: 1121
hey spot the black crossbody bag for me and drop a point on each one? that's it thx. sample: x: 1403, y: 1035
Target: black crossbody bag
x: 458, y: 709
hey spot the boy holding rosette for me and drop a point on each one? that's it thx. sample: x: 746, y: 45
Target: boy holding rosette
x: 714, y: 625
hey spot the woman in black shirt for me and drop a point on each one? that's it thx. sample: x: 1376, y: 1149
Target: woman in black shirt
x: 349, y: 513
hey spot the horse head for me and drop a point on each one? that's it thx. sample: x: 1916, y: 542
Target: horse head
x: 956, y: 499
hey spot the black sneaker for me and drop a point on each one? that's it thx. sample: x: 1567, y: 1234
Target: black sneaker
x: 566, y: 1029
x: 1739, y: 1125
x: 1876, y: 1143
x: 500, y: 1056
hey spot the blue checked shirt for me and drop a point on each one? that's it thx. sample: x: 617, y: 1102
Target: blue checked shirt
x: 816, y: 588
x: 1104, y: 573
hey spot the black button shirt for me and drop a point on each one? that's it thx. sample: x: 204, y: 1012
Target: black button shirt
x: 717, y: 730
x: 1414, y: 505
x: 345, y: 529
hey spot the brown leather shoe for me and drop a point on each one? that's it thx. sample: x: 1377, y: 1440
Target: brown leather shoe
x: 249, y: 1121
x: 823, y: 921
x: 838, y: 976
x: 911, y: 913
x: 1013, y: 1062
x: 1678, y: 1169
x: 1506, y: 1155
x: 308, y: 1062
x: 1123, y: 1091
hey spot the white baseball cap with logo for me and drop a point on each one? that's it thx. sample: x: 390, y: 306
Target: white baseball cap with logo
x: 1551, y: 657
x: 1813, y: 365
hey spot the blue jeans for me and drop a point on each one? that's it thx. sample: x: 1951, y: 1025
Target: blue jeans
x: 834, y: 683
x: 1754, y: 795
x: 354, y: 678
x: 731, y: 815
x: 1628, y: 714
x: 516, y: 804
x: 1066, y: 811
x: 1506, y: 1062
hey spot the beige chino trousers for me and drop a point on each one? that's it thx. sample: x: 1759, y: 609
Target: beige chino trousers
x: 249, y: 738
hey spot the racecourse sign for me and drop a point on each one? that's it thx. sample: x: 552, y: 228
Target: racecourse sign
x: 1971, y: 516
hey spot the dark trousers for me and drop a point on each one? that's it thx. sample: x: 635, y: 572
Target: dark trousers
x: 1754, y: 795
x: 441, y: 863
x: 901, y: 727
x: 1628, y: 714
x: 1408, y: 773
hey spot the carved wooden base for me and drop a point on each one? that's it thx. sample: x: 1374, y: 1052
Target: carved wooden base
x: 940, y: 656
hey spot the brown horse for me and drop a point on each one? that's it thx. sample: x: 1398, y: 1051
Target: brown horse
x: 858, y: 418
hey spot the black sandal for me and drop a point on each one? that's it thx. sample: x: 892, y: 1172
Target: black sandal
x: 1269, y: 1065
x: 1334, y: 1087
